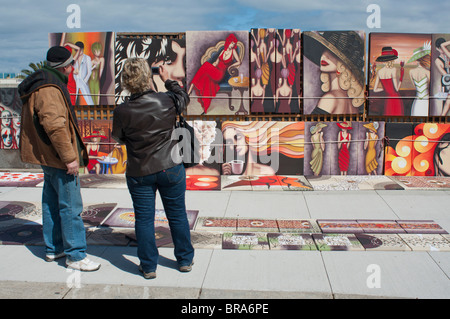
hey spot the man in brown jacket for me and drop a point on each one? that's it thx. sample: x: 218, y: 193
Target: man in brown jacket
x: 50, y: 138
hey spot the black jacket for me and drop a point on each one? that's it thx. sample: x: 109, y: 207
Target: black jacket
x: 144, y: 124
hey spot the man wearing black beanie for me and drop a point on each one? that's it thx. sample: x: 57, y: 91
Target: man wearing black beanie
x: 50, y: 138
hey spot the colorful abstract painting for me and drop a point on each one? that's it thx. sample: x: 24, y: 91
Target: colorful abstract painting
x: 343, y: 148
x: 399, y: 77
x: 92, y: 79
x: 333, y: 72
x: 275, y: 57
x: 254, y: 148
x: 417, y: 149
x: 440, y: 75
x: 217, y: 72
x: 169, y: 53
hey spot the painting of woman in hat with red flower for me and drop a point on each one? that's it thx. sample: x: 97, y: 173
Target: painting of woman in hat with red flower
x: 339, y: 55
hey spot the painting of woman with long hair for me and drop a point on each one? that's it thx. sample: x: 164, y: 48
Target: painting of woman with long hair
x: 256, y: 147
x: 333, y: 72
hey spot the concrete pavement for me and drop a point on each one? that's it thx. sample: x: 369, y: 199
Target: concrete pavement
x: 241, y: 274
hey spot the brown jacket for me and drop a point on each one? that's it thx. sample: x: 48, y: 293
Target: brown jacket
x: 48, y: 105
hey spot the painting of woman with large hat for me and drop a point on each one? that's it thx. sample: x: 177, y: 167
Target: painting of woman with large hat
x: 333, y: 72
x: 400, y: 74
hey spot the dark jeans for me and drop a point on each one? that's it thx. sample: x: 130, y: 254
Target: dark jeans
x: 171, y: 184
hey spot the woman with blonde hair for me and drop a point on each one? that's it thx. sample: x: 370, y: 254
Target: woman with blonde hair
x: 144, y: 123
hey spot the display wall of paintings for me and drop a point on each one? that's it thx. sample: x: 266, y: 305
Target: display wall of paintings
x: 92, y: 79
x: 167, y: 52
x: 217, y: 72
x: 275, y: 67
x: 10, y: 110
x: 343, y: 148
x: 333, y: 72
x: 417, y: 149
x: 399, y: 78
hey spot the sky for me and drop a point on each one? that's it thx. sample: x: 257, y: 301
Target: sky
x: 24, y: 25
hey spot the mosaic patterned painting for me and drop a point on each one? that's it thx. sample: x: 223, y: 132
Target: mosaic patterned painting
x: 327, y: 242
x: 421, y: 227
x: 333, y: 72
x: 275, y: 57
x: 423, y: 182
x: 339, y: 226
x: 291, y: 241
x: 255, y: 225
x: 170, y: 53
x: 216, y: 224
x: 217, y: 72
x: 378, y: 226
x: 426, y: 242
x: 385, y: 242
x: 352, y: 183
x: 206, y: 240
x: 92, y: 79
x: 298, y: 226
x: 245, y: 241
x: 124, y: 217
x: 399, y: 78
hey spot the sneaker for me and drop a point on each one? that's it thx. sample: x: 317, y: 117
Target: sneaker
x: 83, y: 265
x: 187, y: 268
x: 49, y: 257
x: 147, y: 275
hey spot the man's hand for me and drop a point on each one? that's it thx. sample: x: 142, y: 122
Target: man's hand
x: 72, y: 168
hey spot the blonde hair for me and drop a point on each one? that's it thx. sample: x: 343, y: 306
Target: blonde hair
x: 347, y: 82
x: 136, y: 75
x: 425, y: 61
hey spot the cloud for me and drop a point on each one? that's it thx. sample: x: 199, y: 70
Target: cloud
x: 24, y: 25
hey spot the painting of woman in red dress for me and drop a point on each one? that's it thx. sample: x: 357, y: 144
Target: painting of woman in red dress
x: 344, y: 138
x: 390, y: 84
x: 207, y: 78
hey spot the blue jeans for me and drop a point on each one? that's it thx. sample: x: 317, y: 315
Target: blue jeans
x: 171, y: 184
x: 62, y: 206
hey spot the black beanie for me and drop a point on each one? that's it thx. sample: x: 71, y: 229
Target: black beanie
x: 58, y: 57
